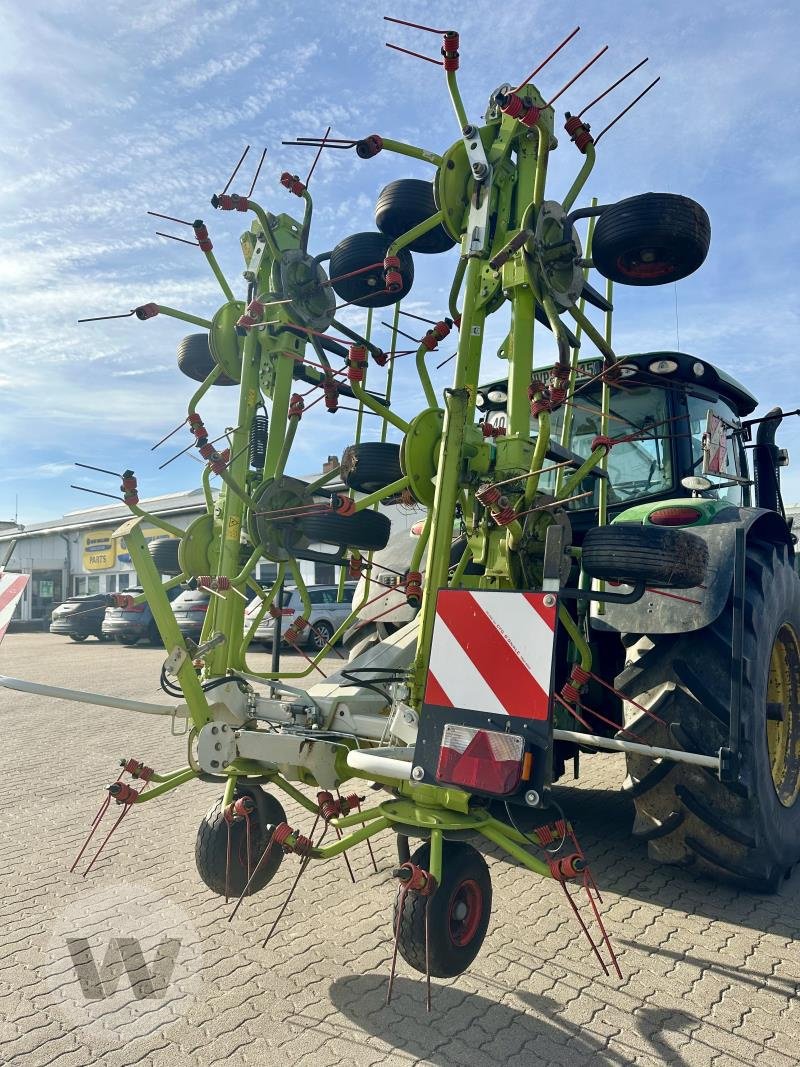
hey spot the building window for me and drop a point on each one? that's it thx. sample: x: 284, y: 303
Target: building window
x: 267, y: 572
x: 123, y: 581
x: 80, y: 586
x: 93, y: 583
x: 111, y: 583
x: 325, y: 574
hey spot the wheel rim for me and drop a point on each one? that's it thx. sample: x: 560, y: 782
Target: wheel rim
x: 646, y: 263
x: 783, y: 715
x: 320, y: 636
x: 464, y: 914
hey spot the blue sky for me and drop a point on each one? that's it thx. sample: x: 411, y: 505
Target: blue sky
x: 108, y: 110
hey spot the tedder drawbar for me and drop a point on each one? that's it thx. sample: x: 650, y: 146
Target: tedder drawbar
x: 598, y: 570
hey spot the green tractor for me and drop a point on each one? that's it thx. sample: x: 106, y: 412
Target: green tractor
x: 711, y: 668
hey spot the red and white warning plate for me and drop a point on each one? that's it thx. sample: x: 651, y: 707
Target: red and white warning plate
x: 492, y: 652
x: 12, y: 586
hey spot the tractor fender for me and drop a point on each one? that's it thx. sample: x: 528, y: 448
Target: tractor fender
x: 672, y: 612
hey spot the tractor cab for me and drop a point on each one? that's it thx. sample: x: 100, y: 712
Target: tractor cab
x: 663, y: 408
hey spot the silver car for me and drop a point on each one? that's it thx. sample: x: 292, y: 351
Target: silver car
x: 327, y: 614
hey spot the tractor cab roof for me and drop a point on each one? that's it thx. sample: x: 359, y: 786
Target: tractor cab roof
x: 658, y: 369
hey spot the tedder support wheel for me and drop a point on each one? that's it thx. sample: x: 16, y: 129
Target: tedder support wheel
x: 651, y: 239
x: 371, y: 466
x: 674, y: 559
x: 458, y: 913
x: 164, y: 553
x: 211, y: 846
x: 368, y: 287
x: 406, y: 203
x: 195, y: 359
x: 747, y: 833
x: 365, y: 529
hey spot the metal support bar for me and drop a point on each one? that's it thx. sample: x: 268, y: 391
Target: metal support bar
x: 100, y: 699
x: 651, y: 751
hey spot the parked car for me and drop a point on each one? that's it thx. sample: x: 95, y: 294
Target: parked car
x: 130, y: 625
x: 80, y: 617
x: 190, y: 611
x: 327, y: 614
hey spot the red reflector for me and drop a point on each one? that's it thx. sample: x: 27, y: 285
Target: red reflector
x: 480, y: 759
x: 677, y: 516
x: 198, y: 607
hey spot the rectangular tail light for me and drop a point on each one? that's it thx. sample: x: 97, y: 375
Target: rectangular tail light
x: 484, y: 760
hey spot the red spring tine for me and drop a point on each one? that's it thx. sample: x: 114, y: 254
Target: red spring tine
x: 427, y: 956
x: 417, y: 55
x: 316, y: 157
x: 413, y: 25
x: 304, y: 863
x: 605, y: 92
x: 103, y: 318
x: 92, y: 830
x: 264, y: 856
x: 258, y: 171
x: 125, y: 809
x: 369, y: 844
x: 182, y: 240
x: 544, y: 62
x: 167, y: 437
x: 572, y: 81
x: 583, y: 926
x: 235, y: 170
x: 627, y: 109
x: 400, y: 909
x: 169, y: 218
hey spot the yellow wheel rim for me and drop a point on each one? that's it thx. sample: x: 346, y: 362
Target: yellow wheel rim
x: 783, y: 715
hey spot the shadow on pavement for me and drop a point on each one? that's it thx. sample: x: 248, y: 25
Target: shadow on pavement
x: 461, y: 1023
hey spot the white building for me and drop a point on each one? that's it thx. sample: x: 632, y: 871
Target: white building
x: 78, y: 554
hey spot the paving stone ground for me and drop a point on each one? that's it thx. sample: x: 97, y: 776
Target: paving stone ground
x: 711, y: 975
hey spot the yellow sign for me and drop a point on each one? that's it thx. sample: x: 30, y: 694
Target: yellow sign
x: 99, y: 550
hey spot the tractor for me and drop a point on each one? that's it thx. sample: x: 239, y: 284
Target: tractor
x: 596, y: 571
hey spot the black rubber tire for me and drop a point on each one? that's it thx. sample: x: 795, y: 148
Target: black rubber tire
x: 365, y: 529
x: 128, y: 642
x: 652, y: 239
x: 368, y: 289
x: 627, y: 552
x: 320, y: 635
x: 195, y: 359
x: 210, y: 852
x: 406, y: 203
x: 464, y: 873
x: 164, y: 553
x: 738, y: 833
x: 78, y: 638
x: 153, y: 636
x: 371, y: 466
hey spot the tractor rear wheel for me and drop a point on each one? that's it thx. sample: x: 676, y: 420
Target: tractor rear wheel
x: 747, y: 833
